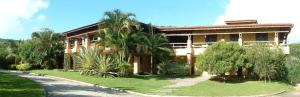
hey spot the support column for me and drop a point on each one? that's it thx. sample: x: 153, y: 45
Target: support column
x: 276, y: 38
x: 190, y: 54
x: 77, y: 48
x: 136, y: 65
x: 285, y: 39
x: 87, y: 41
x: 240, y: 39
x: 68, y: 46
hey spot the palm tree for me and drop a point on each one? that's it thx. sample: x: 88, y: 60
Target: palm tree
x: 121, y: 32
x: 12, y: 54
x: 158, y: 47
x: 51, y: 46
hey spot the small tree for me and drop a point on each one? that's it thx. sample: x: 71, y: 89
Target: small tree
x: 220, y: 58
x: 267, y: 63
x: 293, y: 66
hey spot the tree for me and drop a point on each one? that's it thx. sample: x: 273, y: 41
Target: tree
x: 267, y: 63
x: 123, y: 34
x: 157, y: 46
x: 45, y: 49
x: 29, y: 53
x: 220, y: 58
x: 51, y: 47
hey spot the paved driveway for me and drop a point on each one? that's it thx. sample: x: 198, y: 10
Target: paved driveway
x: 59, y: 87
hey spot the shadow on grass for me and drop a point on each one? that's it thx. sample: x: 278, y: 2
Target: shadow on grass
x: 238, y: 79
x: 14, y: 86
x: 158, y: 77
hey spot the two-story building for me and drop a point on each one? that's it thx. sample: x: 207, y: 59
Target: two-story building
x: 189, y: 41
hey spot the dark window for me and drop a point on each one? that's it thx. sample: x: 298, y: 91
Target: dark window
x: 281, y: 37
x: 261, y: 36
x: 177, y: 39
x: 211, y: 38
x: 234, y: 37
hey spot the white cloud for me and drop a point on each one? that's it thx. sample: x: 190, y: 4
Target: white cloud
x: 41, y: 17
x: 13, y: 11
x: 265, y: 11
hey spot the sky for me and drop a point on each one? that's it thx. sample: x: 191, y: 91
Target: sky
x: 19, y: 20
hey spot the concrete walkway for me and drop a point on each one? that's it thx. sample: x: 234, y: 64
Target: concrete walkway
x: 295, y: 93
x: 182, y: 82
x: 59, y: 87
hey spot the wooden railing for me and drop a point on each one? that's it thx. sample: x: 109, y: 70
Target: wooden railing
x: 247, y: 43
x: 178, y: 45
x: 205, y: 44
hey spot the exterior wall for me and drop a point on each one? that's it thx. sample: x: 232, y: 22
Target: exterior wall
x: 223, y: 37
x: 201, y: 38
x: 271, y: 36
x: 198, y: 38
x: 249, y: 37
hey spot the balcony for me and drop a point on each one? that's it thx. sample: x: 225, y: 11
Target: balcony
x: 180, y: 49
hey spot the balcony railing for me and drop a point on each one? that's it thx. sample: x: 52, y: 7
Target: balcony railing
x: 178, y: 45
x: 206, y: 44
x: 269, y: 43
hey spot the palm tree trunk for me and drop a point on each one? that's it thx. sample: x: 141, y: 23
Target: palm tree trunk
x: 151, y: 63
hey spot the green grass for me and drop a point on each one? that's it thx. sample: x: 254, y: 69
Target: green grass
x: 247, y: 88
x: 15, y: 86
x: 142, y: 84
x: 155, y: 84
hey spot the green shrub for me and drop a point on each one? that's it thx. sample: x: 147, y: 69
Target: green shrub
x: 13, y: 66
x: 67, y: 62
x: 295, y: 50
x: 267, y: 63
x: 293, y: 66
x: 173, y: 68
x: 220, y: 58
x: 23, y: 67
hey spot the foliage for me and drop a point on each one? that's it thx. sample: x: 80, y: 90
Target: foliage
x: 267, y: 63
x: 173, y: 68
x: 293, y: 63
x: 295, y: 50
x: 23, y: 67
x: 67, y: 61
x: 51, y: 47
x: 157, y: 46
x: 45, y: 49
x: 29, y: 52
x: 123, y: 35
x: 8, y: 53
x: 220, y: 58
x: 13, y: 67
x: 293, y: 66
x: 93, y: 63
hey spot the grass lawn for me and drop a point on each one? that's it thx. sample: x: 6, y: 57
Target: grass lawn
x: 15, y: 86
x: 155, y: 84
x: 142, y: 84
x: 247, y: 88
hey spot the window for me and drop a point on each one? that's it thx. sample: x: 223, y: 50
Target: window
x: 211, y: 38
x: 281, y: 37
x: 234, y: 37
x: 178, y: 39
x: 261, y: 36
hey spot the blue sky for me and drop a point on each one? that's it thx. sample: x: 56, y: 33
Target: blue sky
x: 19, y: 20
x: 63, y: 15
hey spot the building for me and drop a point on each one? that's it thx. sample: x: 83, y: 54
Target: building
x: 192, y: 40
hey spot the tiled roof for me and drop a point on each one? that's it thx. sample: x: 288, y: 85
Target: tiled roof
x: 218, y: 27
